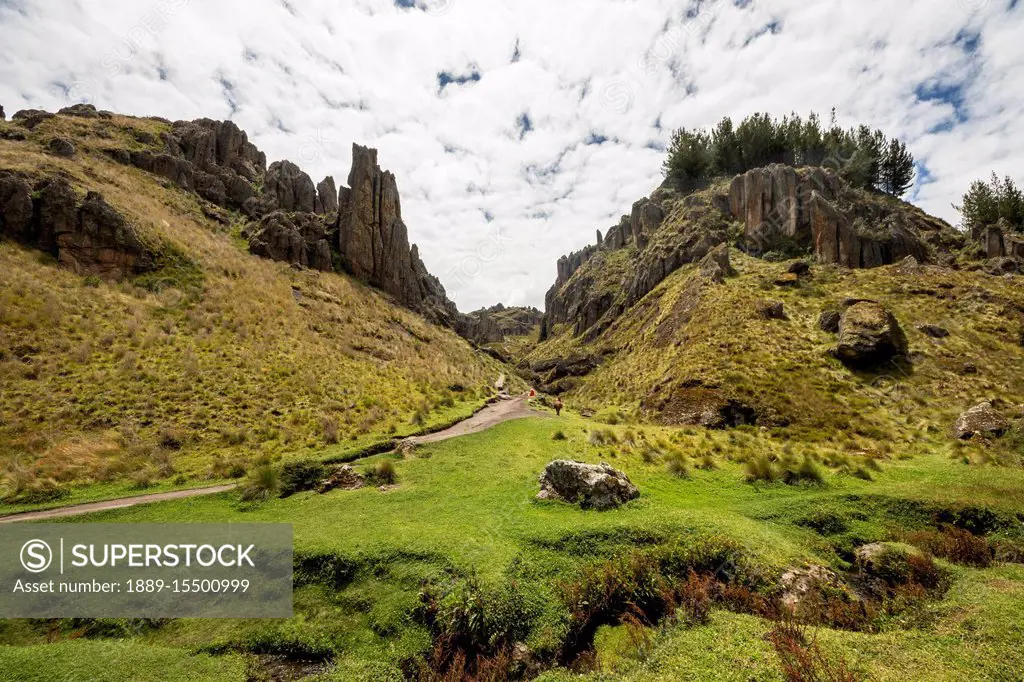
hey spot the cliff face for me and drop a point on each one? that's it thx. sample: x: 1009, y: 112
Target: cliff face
x: 497, y: 323
x: 774, y: 212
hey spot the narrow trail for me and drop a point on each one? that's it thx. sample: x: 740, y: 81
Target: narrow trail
x: 492, y: 415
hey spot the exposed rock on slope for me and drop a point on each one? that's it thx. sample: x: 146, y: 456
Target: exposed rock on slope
x: 868, y: 333
x: 981, y: 420
x: 778, y: 211
x: 87, y: 235
x: 300, y: 238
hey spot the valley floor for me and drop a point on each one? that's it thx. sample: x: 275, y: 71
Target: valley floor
x: 462, y: 530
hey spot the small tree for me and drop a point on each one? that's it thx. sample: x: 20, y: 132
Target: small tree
x: 689, y: 156
x: 897, y: 169
x: 986, y: 203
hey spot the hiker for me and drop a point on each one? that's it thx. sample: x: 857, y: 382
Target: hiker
x: 558, y: 407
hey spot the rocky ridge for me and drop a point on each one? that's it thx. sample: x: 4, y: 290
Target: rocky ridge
x: 356, y: 229
x: 775, y: 212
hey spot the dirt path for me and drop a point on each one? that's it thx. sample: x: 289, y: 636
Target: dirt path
x: 492, y: 415
x: 90, y: 507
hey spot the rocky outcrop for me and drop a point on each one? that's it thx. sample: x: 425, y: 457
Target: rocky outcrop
x: 792, y: 211
x: 981, y: 420
x: 298, y: 238
x: 289, y: 188
x: 869, y: 334
x: 30, y: 118
x: 373, y: 241
x: 326, y: 197
x: 782, y: 211
x: 591, y: 486
x: 1000, y: 242
x: 691, y: 403
x: 88, y: 236
x: 495, y: 324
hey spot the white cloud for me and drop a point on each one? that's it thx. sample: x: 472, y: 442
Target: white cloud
x: 306, y: 78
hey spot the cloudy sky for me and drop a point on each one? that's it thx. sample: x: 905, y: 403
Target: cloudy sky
x: 518, y: 127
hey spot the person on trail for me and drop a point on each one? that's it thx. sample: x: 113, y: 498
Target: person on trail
x: 558, y: 407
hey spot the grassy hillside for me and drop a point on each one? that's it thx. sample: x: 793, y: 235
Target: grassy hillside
x: 714, y: 338
x: 195, y: 371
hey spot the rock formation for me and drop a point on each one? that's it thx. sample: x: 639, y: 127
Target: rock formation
x: 792, y: 211
x: 981, y: 420
x: 869, y: 334
x: 300, y: 238
x: 779, y: 211
x: 289, y: 188
x: 495, y: 324
x: 592, y: 486
x: 88, y: 236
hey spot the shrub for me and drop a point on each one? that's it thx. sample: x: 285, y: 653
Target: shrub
x: 235, y: 436
x: 263, y: 484
x: 956, y: 545
x: 301, y: 475
x: 806, y: 472
x: 558, y: 435
x: 677, y: 465
x: 803, y: 661
x: 707, y: 462
x: 171, y: 438
x: 761, y: 468
x: 331, y: 430
x: 381, y: 473
x: 143, y: 478
x: 695, y: 598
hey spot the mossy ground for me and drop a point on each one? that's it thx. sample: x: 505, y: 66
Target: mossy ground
x: 464, y: 513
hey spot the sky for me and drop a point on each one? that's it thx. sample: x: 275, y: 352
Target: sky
x: 518, y: 128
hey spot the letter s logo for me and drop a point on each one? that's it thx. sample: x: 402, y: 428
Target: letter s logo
x: 36, y: 556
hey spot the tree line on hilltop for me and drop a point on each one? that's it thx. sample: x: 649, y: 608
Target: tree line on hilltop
x: 863, y: 157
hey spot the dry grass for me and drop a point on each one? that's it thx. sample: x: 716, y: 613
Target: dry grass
x: 248, y: 347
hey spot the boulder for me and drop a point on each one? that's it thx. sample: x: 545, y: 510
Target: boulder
x: 770, y: 310
x: 829, y: 320
x: 807, y: 584
x: 869, y: 334
x: 933, y: 330
x: 342, y: 478
x: 61, y: 146
x: 30, y: 118
x: 592, y: 486
x: 297, y: 238
x: 787, y: 279
x: 716, y: 266
x: 981, y: 420
x: 80, y: 110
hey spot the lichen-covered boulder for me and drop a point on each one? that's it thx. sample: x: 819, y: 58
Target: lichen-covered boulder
x: 592, y: 486
x: 869, y: 333
x: 981, y: 420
